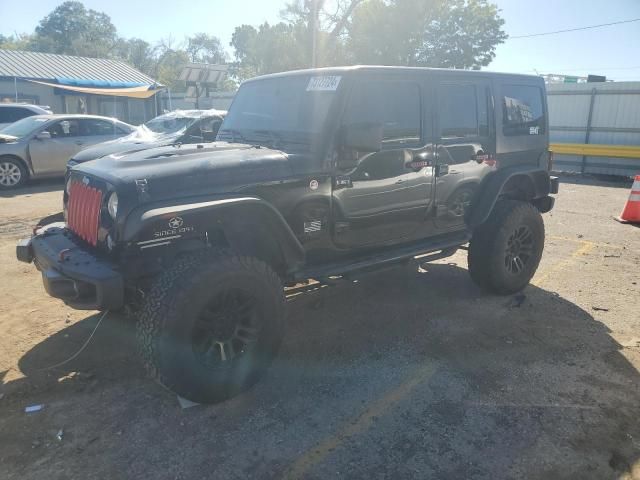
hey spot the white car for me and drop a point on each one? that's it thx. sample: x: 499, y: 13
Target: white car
x: 12, y: 112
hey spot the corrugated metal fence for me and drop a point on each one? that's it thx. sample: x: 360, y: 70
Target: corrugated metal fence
x: 595, y: 113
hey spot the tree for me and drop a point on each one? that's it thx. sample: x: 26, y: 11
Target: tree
x: 269, y: 49
x: 435, y: 33
x: 205, y: 48
x: 137, y: 53
x: 443, y: 33
x: 72, y: 29
x: 170, y: 61
x: 15, y: 42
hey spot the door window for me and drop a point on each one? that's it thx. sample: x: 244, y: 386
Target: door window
x: 64, y: 129
x: 458, y: 111
x: 93, y: 127
x: 396, y: 105
x: 13, y: 114
x: 523, y: 111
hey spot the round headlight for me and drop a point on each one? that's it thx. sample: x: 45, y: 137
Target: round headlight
x: 112, y: 205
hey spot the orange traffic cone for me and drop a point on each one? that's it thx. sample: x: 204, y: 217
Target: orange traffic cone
x: 631, y: 212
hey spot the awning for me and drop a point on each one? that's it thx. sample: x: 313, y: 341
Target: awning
x: 145, y: 91
x: 94, y: 83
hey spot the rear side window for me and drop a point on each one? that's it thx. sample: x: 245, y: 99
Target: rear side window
x: 394, y: 104
x: 94, y: 127
x: 13, y: 114
x: 458, y: 111
x: 523, y: 112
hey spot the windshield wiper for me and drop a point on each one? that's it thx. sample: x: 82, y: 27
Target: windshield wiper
x: 234, y: 133
x: 276, y: 139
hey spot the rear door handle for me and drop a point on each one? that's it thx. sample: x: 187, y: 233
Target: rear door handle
x: 399, y: 181
x: 79, y: 143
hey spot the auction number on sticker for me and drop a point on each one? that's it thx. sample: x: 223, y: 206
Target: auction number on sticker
x: 323, y: 84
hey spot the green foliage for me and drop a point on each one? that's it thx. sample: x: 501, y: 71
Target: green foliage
x: 137, y: 53
x: 72, y: 29
x: 269, y: 48
x: 15, y: 42
x: 437, y: 33
x: 205, y: 48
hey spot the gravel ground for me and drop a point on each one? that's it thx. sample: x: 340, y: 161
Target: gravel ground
x: 405, y: 373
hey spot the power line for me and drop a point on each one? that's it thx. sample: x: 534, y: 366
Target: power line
x: 576, y: 29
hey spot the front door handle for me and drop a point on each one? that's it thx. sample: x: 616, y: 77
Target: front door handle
x: 79, y: 143
x: 442, y: 169
x: 399, y: 181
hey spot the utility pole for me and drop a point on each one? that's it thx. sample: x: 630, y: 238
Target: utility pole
x: 316, y: 5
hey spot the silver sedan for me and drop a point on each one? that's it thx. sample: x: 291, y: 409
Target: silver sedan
x: 41, y: 145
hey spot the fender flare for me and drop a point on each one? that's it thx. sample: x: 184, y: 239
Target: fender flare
x: 262, y: 230
x: 493, y: 186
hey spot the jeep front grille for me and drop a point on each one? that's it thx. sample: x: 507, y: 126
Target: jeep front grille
x: 83, y: 211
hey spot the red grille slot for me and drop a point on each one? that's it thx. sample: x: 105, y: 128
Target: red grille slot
x: 83, y: 211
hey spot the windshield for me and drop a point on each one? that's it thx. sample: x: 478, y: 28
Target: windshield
x: 284, y: 107
x: 168, y: 124
x: 23, y: 127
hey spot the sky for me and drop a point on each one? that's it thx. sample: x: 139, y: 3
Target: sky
x: 610, y: 51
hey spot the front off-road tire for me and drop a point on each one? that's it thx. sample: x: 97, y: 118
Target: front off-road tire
x: 505, y: 251
x: 211, y: 325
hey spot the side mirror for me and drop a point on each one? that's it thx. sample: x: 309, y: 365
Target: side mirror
x: 44, y: 135
x: 363, y: 137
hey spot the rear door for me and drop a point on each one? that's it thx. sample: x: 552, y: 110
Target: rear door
x: 384, y: 199
x: 97, y: 130
x: 465, y: 144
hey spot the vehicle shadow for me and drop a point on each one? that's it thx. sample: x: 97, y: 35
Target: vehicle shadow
x: 35, y: 186
x: 523, y: 386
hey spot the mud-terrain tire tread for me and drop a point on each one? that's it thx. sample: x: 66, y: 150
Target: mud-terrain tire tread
x: 485, y: 245
x: 162, y: 300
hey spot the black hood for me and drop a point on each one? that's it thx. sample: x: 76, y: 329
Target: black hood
x: 190, y: 170
x: 128, y: 144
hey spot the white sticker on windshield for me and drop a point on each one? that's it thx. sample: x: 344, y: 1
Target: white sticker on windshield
x: 323, y: 84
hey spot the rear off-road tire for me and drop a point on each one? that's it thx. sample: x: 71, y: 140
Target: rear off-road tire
x: 505, y: 251
x: 211, y: 325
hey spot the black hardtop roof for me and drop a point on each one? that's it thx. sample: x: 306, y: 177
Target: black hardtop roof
x: 381, y: 68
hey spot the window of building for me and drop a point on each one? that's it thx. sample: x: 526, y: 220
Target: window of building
x: 396, y: 105
x: 523, y: 111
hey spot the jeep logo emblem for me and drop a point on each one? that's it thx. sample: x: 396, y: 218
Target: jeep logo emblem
x: 176, y: 222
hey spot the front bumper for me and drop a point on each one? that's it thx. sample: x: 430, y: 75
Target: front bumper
x: 70, y: 272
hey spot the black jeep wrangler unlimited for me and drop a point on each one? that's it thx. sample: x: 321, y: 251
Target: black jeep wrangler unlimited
x: 314, y: 174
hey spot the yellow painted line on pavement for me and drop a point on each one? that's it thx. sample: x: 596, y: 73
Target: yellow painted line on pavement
x: 596, y: 150
x: 586, y: 247
x: 581, y: 241
x: 358, y: 425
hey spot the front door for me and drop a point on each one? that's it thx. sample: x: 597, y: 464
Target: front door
x: 385, y: 198
x: 68, y: 137
x: 49, y: 156
x: 465, y: 145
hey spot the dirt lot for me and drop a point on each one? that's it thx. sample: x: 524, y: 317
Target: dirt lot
x: 405, y: 373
